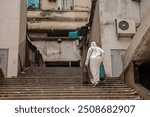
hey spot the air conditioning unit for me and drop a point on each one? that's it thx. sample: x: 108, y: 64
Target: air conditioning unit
x: 125, y: 27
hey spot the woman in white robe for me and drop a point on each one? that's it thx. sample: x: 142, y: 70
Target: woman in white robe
x: 95, y: 56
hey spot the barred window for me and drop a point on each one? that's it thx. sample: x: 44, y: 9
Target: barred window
x: 65, y: 4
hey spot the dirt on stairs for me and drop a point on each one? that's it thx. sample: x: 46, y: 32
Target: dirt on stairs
x: 62, y: 83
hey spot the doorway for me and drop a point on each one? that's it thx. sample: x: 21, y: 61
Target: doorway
x: 117, y: 59
x: 4, y: 60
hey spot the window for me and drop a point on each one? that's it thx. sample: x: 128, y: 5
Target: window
x: 65, y: 4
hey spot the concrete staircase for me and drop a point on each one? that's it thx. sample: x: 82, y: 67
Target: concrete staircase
x: 62, y: 83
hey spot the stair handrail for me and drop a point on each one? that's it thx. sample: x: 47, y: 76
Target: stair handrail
x: 2, y: 76
x: 35, y: 48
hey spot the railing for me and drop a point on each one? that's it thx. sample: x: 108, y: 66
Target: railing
x: 2, y: 77
x: 33, y: 56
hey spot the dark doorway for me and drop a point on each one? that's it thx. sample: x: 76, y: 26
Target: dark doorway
x: 144, y: 74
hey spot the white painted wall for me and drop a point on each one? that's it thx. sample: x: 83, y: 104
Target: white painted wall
x: 9, y: 32
x: 109, y: 11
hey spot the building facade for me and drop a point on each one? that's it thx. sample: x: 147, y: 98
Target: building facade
x: 123, y: 32
x: 108, y: 34
x: 50, y: 23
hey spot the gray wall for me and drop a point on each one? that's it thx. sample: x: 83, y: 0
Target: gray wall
x: 22, y: 35
x: 144, y: 8
x: 95, y: 34
x: 9, y: 32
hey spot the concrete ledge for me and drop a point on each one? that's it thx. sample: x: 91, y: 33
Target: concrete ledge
x: 57, y: 16
x: 53, y: 25
x: 142, y: 91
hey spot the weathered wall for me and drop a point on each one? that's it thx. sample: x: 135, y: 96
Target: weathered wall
x: 47, y: 5
x: 95, y: 31
x: 54, y: 25
x: 59, y: 15
x: 9, y: 32
x: 22, y: 35
x: 129, y: 79
x: 78, y: 5
x: 109, y: 11
x: 82, y: 4
x: 69, y: 50
x: 137, y: 40
x: 144, y: 8
x: 66, y: 20
x: 138, y: 50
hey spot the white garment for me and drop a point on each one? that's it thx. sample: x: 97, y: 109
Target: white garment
x: 95, y: 56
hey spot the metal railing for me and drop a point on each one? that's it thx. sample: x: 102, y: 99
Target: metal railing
x: 37, y: 60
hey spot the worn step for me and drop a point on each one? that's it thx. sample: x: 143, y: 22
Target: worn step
x: 67, y: 90
x: 131, y: 97
x: 62, y: 83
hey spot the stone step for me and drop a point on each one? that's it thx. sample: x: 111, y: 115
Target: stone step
x: 52, y: 72
x: 63, y: 94
x: 68, y: 90
x: 131, y: 97
x: 62, y: 83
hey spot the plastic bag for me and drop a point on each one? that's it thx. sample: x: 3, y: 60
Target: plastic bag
x: 102, y: 72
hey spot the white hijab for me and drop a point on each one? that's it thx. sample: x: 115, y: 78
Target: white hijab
x: 94, y: 51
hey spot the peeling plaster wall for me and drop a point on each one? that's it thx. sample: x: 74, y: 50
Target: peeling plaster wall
x: 66, y: 20
x: 59, y: 20
x: 109, y: 11
x: 59, y: 15
x: 50, y: 50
